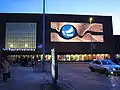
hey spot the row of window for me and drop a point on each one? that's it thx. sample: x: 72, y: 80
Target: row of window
x: 68, y: 57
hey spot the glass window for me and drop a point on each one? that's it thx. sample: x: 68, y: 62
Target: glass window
x: 107, y: 62
x: 97, y: 62
x: 20, y: 35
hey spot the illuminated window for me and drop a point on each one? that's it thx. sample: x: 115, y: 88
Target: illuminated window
x: 20, y: 35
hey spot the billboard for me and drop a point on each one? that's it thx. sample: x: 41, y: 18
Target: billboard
x: 20, y: 36
x: 76, y: 32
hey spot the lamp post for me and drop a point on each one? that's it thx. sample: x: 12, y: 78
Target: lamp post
x: 43, y: 59
x: 91, y: 47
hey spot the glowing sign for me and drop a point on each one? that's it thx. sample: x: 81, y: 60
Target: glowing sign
x: 68, y: 31
x: 76, y: 32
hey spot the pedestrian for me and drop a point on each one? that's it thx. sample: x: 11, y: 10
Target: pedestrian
x: 5, y: 69
x: 0, y: 69
x: 34, y: 63
x: 29, y: 61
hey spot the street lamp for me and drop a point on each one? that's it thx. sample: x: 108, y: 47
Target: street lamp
x: 43, y: 48
x: 90, y: 20
x: 91, y: 47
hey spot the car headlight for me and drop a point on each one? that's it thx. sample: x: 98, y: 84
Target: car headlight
x: 113, y: 69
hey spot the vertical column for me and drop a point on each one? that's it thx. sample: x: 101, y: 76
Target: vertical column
x: 90, y: 21
x: 43, y: 61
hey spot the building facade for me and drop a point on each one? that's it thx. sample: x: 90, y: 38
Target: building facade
x: 74, y: 37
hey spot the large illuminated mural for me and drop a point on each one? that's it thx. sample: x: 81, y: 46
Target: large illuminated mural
x: 76, y: 32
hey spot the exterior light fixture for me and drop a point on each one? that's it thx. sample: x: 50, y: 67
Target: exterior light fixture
x: 11, y: 45
x: 26, y: 45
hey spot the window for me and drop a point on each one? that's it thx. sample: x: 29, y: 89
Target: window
x: 97, y: 62
x: 20, y: 35
x: 108, y: 62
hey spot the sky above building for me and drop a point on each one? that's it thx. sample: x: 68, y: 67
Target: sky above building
x: 86, y: 7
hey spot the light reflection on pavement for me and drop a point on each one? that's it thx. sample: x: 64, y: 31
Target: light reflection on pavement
x: 74, y: 76
x: 80, y: 77
x: 114, y: 80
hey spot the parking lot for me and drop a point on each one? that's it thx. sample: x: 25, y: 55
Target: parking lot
x: 73, y: 76
x: 79, y: 77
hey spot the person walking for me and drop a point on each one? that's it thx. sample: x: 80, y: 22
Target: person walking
x: 0, y: 68
x: 5, y: 69
x: 34, y: 63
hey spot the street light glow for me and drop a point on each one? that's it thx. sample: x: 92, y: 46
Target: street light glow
x: 26, y: 45
x: 90, y: 19
x: 11, y: 45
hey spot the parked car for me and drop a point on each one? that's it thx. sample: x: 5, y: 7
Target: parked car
x: 105, y: 66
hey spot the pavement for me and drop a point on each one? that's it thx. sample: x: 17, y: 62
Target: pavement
x: 72, y: 76
x: 25, y: 78
x: 79, y: 77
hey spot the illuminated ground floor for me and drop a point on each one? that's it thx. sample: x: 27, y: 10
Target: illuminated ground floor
x: 65, y: 57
